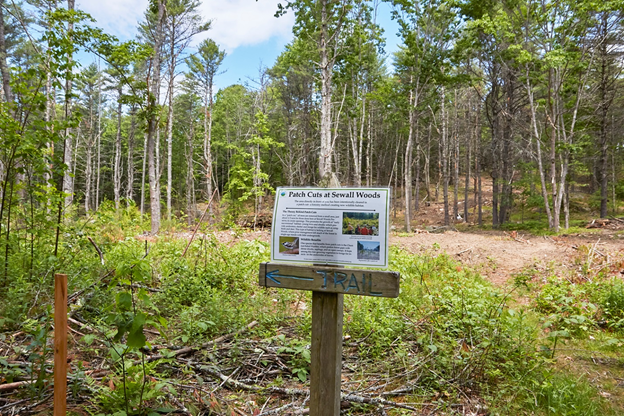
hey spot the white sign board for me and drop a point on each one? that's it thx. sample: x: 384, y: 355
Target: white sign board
x: 346, y: 226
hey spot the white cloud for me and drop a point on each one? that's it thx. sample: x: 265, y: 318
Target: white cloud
x: 117, y: 17
x: 234, y: 22
x: 244, y: 22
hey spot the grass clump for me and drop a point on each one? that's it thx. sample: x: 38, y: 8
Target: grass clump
x: 214, y: 288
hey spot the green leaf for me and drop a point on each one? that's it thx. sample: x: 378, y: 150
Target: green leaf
x: 302, y: 376
x: 124, y: 301
x: 136, y: 339
x: 138, y: 322
x: 89, y: 338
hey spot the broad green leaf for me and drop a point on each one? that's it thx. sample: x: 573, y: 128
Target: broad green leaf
x: 124, y: 301
x: 136, y: 339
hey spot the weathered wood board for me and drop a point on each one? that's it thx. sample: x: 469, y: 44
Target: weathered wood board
x: 383, y: 284
x: 326, y: 353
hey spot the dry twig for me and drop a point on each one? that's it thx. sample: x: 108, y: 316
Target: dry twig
x: 208, y: 344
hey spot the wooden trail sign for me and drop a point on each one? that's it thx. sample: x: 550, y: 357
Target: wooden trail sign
x: 330, y: 226
x: 330, y: 280
x: 328, y: 285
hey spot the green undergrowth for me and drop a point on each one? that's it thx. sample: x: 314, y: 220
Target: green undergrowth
x: 449, y: 337
x: 215, y: 288
x: 457, y: 335
x: 580, y: 312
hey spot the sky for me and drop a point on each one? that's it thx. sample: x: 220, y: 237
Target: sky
x: 246, y: 29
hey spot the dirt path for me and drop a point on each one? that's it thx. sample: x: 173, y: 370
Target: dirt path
x: 500, y: 255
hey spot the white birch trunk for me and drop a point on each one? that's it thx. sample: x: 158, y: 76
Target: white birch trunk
x: 153, y: 130
x: 68, y: 180
x: 407, y: 165
x: 326, y: 86
x: 130, y: 178
x: 117, y: 162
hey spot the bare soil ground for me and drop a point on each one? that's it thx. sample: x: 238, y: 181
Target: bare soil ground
x: 499, y: 255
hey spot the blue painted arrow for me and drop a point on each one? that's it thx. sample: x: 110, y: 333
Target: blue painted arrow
x: 275, y: 273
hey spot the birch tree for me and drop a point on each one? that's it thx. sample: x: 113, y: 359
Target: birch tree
x: 203, y: 67
x: 182, y: 23
x: 153, y: 115
x: 322, y: 21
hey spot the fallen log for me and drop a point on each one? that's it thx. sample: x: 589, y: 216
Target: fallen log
x: 15, y: 385
x: 598, y: 223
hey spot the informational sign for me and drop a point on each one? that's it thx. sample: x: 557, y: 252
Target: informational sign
x: 343, y: 226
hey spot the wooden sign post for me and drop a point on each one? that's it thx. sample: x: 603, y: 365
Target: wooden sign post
x: 329, y: 285
x: 60, y: 344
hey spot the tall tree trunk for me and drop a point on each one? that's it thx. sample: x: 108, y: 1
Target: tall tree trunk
x: 566, y: 206
x: 478, y: 192
x: 326, y: 86
x: 553, y: 149
x: 4, y: 70
x: 538, y: 156
x: 607, y: 90
x: 89, y: 161
x: 440, y: 170
x: 495, y: 121
x: 47, y: 175
x: 469, y: 140
x: 455, y: 158
x: 130, y: 178
x: 190, y: 171
x: 417, y: 182
x: 172, y: 66
x: 98, y: 142
x: 117, y: 162
x: 169, y: 150
x: 68, y: 180
x: 153, y: 123
x: 407, y: 165
x: 143, y: 172
x: 369, y: 150
x: 88, y: 176
x: 427, y: 167
x: 208, y: 103
x: 445, y: 157
x: 614, y: 202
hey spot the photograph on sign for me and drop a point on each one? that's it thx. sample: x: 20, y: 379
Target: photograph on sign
x: 345, y: 226
x: 366, y: 223
x: 289, y: 245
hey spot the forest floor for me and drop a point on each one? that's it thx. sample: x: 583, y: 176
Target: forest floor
x: 506, y: 257
x: 500, y: 255
x: 520, y: 264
